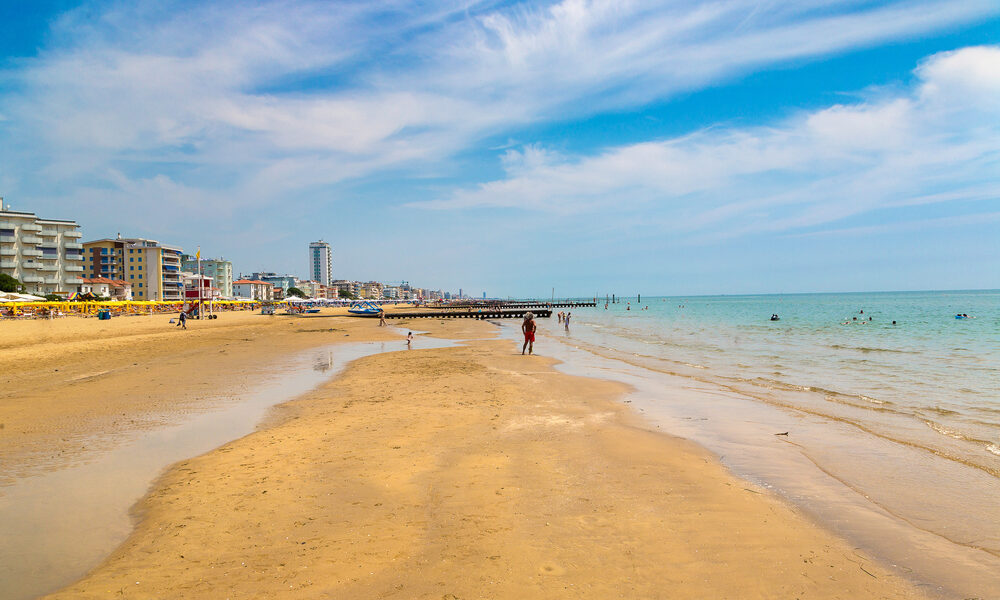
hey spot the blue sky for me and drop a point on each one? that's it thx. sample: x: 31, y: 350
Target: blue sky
x: 590, y: 146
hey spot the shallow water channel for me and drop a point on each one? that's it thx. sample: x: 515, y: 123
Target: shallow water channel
x: 56, y: 526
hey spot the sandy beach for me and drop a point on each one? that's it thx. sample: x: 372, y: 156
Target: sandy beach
x: 461, y: 472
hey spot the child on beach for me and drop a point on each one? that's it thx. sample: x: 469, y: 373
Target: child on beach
x: 409, y: 339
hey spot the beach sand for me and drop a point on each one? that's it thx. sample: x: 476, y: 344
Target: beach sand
x: 464, y: 472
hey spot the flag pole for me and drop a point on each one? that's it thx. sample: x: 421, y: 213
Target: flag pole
x: 200, y: 309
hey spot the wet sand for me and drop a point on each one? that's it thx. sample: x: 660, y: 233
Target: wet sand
x: 458, y: 472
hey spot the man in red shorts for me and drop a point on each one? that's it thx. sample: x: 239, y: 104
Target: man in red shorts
x: 528, y: 329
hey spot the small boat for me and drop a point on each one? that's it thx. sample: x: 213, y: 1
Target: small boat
x: 364, y: 308
x: 312, y: 310
x: 775, y: 318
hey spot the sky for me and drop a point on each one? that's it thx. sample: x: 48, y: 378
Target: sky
x: 585, y: 147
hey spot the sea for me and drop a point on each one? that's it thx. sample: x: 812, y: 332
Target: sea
x: 876, y: 413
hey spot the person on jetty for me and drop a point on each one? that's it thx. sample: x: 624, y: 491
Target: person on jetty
x: 528, y: 328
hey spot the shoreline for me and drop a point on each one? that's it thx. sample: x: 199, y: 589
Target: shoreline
x: 742, y: 430
x: 445, y: 484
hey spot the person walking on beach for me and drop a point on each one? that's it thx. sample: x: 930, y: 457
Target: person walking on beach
x: 381, y: 318
x: 528, y: 328
x: 409, y: 339
x: 182, y: 320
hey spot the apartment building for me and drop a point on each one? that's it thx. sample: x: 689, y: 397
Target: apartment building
x: 251, y: 289
x: 321, y: 262
x: 284, y: 282
x: 152, y: 269
x: 219, y: 269
x: 43, y: 254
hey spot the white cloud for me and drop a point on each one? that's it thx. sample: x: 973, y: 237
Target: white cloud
x: 175, y: 118
x: 938, y: 142
x: 400, y: 84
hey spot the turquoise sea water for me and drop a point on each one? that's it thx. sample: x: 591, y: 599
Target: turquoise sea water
x: 939, y: 371
x: 904, y: 417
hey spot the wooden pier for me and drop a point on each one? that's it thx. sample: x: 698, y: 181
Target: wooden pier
x: 519, y: 305
x: 484, y: 313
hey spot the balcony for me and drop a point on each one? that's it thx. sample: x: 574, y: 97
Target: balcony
x: 74, y: 268
x: 48, y: 233
x: 31, y: 227
x: 8, y: 252
x: 10, y: 239
x: 30, y: 252
x: 32, y: 279
x: 30, y: 239
x: 74, y: 257
x: 73, y: 245
x: 72, y: 234
x: 44, y: 267
x: 74, y: 280
x: 8, y: 264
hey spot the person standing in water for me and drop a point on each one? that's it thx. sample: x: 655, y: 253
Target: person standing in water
x: 566, y: 320
x: 528, y: 328
x: 409, y: 339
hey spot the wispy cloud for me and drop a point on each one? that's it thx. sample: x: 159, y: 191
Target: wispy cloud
x: 934, y: 143
x: 237, y: 106
x: 400, y: 84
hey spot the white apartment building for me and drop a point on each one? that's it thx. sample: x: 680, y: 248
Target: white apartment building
x: 321, y: 262
x: 44, y: 254
x: 252, y: 289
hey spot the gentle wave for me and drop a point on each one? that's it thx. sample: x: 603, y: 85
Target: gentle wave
x: 867, y: 349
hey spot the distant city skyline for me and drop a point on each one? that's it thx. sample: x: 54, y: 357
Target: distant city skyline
x: 665, y: 148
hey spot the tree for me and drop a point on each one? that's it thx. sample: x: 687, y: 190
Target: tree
x: 9, y: 284
x: 345, y: 293
x: 54, y: 297
x: 294, y: 291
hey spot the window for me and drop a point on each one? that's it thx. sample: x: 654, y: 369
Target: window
x: 140, y: 285
x: 131, y: 276
x: 130, y: 258
x: 131, y: 268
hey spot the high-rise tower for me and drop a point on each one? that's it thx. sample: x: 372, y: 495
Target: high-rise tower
x: 321, y: 262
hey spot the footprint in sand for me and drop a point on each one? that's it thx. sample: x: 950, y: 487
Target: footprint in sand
x: 551, y: 569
